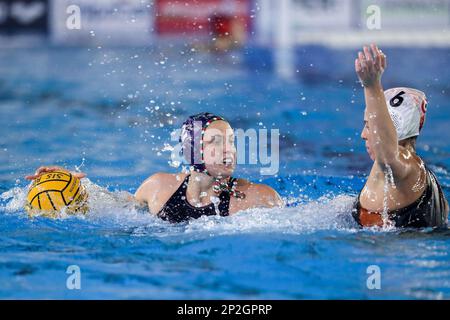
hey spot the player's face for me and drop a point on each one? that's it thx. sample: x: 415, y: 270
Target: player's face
x: 219, y: 151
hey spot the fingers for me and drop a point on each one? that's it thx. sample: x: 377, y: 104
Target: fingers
x: 370, y: 65
x: 79, y: 175
x: 362, y: 61
x: 38, y: 172
x: 375, y: 50
x: 377, y: 57
x: 48, y: 169
x: 41, y: 170
x: 357, y: 66
x: 383, y: 60
x: 371, y: 59
x: 34, y: 176
x: 368, y: 54
x: 380, y: 57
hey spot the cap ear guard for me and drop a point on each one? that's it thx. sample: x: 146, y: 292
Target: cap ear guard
x: 396, y: 119
x: 423, y: 108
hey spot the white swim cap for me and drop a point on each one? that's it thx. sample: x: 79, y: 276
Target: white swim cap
x: 407, y: 108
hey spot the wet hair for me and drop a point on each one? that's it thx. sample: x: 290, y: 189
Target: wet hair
x: 409, y: 141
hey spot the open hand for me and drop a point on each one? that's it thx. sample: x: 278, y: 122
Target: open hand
x: 41, y: 170
x: 370, y: 65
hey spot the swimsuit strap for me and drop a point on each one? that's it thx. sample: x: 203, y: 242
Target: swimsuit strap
x: 228, y: 187
x: 178, y: 208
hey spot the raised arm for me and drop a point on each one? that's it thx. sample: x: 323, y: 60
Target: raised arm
x: 369, y: 67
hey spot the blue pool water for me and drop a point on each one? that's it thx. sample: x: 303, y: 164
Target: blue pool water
x: 110, y: 112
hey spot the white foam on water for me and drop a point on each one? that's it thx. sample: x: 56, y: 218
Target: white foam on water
x: 17, y: 198
x: 119, y: 208
x: 321, y: 214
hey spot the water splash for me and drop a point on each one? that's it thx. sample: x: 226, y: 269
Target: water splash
x: 14, y: 199
x: 388, y: 182
x: 215, y: 201
x: 119, y: 210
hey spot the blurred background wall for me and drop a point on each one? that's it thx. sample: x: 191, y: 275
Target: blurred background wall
x: 265, y: 22
x: 272, y: 30
x: 291, y: 37
x: 138, y: 64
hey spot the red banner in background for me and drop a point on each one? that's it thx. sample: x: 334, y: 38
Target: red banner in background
x: 186, y: 17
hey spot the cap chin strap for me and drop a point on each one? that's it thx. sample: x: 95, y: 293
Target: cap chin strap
x: 220, y: 186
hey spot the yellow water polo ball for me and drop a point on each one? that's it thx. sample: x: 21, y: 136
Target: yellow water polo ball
x: 55, y: 191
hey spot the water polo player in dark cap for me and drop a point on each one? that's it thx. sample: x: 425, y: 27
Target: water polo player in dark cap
x: 208, y: 189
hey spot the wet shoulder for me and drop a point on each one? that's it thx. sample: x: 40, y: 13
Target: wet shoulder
x: 166, y: 180
x: 258, y: 194
x: 159, y: 185
x: 246, y: 185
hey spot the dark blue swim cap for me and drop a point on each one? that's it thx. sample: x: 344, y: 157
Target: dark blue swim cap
x: 191, y: 139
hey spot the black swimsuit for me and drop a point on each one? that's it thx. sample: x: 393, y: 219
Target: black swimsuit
x: 178, y: 209
x: 430, y: 210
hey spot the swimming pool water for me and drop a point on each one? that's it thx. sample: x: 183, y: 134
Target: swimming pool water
x: 111, y: 111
